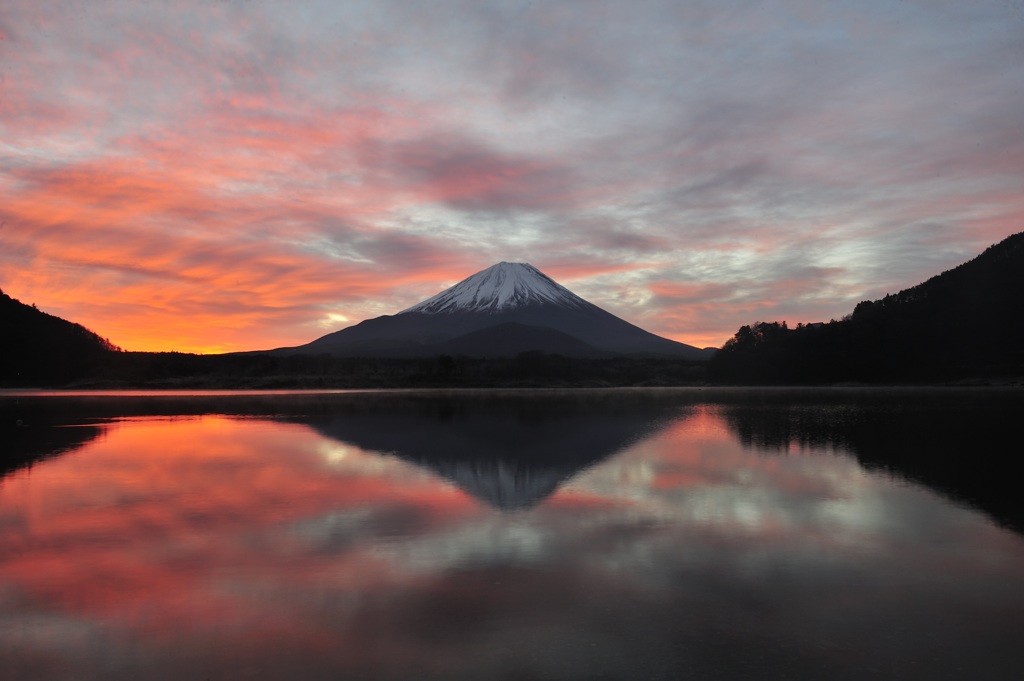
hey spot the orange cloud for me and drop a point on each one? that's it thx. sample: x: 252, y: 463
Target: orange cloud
x: 181, y: 247
x: 217, y: 178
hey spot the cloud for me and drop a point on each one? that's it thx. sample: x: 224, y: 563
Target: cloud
x: 464, y: 174
x: 351, y: 158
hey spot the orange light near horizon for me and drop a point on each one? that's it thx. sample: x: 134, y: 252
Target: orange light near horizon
x: 205, y: 237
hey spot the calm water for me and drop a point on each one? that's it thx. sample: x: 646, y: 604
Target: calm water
x: 620, y: 535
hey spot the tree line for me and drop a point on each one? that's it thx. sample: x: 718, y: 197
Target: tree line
x: 966, y: 323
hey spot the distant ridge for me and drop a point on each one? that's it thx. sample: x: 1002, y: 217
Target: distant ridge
x: 966, y: 323
x: 503, y: 310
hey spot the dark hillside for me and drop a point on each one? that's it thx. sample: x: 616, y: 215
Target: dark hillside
x: 966, y: 323
x: 39, y: 349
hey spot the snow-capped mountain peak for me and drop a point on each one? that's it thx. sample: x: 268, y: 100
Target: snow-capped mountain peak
x: 500, y: 287
x: 505, y: 310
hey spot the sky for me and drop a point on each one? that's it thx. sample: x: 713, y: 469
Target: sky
x: 246, y: 174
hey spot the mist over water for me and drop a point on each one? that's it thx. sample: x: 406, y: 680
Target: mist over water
x: 549, y: 535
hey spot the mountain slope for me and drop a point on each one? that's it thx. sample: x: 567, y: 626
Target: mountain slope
x: 510, y: 338
x: 38, y: 347
x: 506, y: 293
x: 967, y: 322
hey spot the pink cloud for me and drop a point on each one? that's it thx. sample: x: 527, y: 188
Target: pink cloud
x: 252, y: 169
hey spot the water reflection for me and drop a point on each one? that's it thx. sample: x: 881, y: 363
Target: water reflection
x: 958, y: 442
x: 313, y: 538
x: 509, y: 453
x: 25, y: 445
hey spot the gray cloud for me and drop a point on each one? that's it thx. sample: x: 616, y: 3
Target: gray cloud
x: 466, y: 174
x: 714, y: 144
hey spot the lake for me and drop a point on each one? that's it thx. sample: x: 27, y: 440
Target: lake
x: 622, y: 534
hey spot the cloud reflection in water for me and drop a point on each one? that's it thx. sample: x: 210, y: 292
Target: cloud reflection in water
x: 327, y: 546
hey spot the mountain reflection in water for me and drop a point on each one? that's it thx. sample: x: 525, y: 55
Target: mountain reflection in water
x: 512, y: 452
x: 509, y: 453
x: 622, y: 535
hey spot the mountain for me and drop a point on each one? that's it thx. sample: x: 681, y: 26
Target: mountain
x: 510, y: 338
x: 966, y: 323
x: 503, y: 310
x: 39, y: 348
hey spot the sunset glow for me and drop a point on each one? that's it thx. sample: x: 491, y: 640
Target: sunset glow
x: 213, y: 177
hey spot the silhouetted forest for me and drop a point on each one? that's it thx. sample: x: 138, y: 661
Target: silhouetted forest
x: 257, y: 370
x: 38, y: 348
x: 966, y: 323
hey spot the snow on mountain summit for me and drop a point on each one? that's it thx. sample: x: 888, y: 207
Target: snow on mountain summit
x: 504, y: 286
x: 505, y: 310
